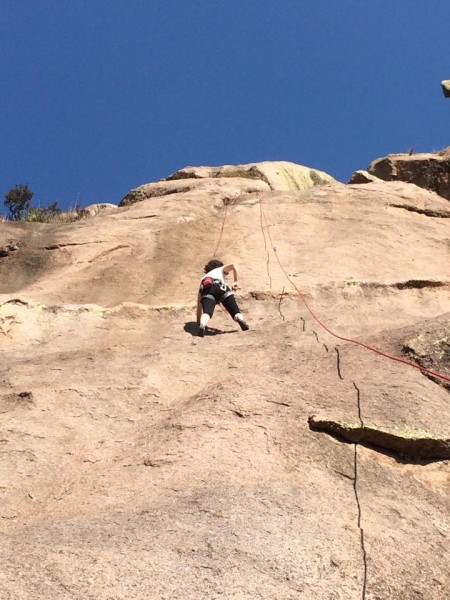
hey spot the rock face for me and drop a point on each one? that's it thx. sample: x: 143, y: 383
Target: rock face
x: 141, y: 461
x: 239, y: 179
x: 429, y: 171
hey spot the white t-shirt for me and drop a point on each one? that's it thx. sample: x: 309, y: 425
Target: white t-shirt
x: 215, y: 274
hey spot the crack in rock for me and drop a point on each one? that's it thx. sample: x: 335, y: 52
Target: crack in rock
x: 338, y: 363
x: 144, y: 217
x: 15, y: 301
x: 404, y: 443
x: 58, y: 246
x: 279, y: 305
x: 262, y: 295
x: 106, y: 252
x: 400, y: 285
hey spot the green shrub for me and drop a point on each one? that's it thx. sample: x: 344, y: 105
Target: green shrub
x: 18, y: 201
x: 43, y: 214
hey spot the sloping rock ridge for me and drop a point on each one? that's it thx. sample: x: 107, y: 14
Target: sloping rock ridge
x: 141, y: 461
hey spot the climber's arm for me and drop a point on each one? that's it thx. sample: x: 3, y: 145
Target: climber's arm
x: 232, y: 269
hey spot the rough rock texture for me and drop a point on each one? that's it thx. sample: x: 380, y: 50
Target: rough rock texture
x: 140, y: 461
x: 8, y: 247
x: 431, y: 349
x: 240, y: 179
x: 95, y: 209
x: 429, y: 171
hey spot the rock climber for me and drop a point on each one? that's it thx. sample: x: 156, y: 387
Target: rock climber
x: 214, y: 290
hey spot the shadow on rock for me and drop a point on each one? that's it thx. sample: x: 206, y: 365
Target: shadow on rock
x: 192, y: 328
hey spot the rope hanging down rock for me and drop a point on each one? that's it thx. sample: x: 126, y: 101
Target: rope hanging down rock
x: 336, y: 335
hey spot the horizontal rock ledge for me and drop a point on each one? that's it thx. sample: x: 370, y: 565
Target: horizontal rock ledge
x: 404, y: 443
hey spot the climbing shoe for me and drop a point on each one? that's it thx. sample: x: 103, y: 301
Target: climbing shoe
x: 243, y: 325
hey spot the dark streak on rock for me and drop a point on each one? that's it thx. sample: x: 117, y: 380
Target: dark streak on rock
x: 11, y: 401
x: 402, y: 285
x: 440, y: 214
x: 418, y: 284
x: 144, y: 217
x: 344, y: 474
x: 239, y: 414
x: 280, y: 403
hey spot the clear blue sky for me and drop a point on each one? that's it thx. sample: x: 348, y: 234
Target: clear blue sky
x: 100, y: 96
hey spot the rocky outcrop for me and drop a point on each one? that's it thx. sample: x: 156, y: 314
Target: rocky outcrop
x: 363, y: 177
x: 429, y: 171
x: 239, y: 179
x: 280, y: 176
x: 446, y: 87
x: 10, y: 246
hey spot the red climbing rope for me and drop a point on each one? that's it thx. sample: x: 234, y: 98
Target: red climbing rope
x: 341, y: 337
x: 220, y: 239
x: 221, y: 232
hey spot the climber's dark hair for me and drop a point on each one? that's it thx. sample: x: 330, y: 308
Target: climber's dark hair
x: 213, y: 264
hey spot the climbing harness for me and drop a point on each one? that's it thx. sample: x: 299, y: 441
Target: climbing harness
x: 206, y: 283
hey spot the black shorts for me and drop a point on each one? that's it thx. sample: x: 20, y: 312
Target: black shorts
x: 217, y: 294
